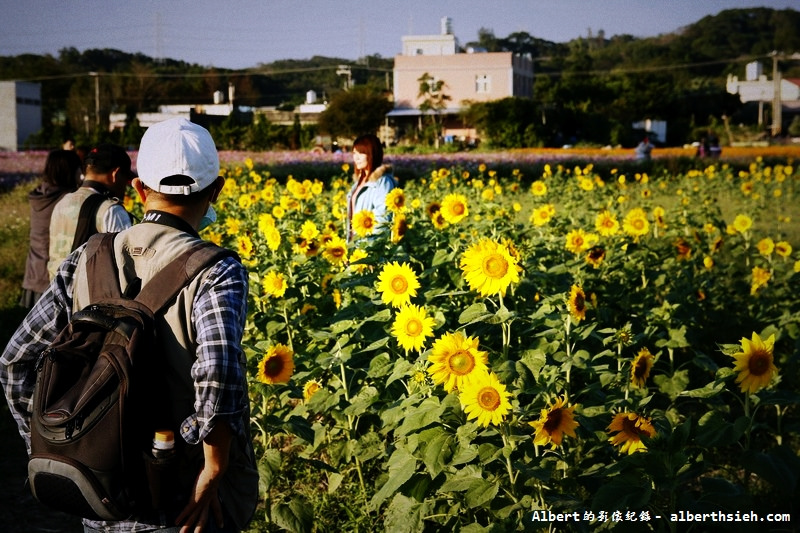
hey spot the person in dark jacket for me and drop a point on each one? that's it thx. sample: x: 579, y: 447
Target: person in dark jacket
x: 62, y: 173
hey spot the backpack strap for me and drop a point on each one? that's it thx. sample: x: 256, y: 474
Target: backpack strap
x: 101, y: 270
x: 86, y: 225
x: 101, y: 267
x: 171, y: 279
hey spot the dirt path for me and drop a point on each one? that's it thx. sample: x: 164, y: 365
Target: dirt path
x: 19, y: 510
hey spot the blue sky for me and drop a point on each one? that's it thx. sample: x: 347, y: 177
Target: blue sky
x: 243, y: 33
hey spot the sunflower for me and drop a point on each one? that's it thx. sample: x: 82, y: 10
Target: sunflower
x: 684, y: 249
x: 783, y: 249
x: 659, y: 215
x: 755, y: 363
x: 489, y: 268
x: 397, y: 284
x: 630, y: 428
x: 399, y: 227
x: 396, y: 200
x: 309, y: 230
x: 542, y: 215
x: 274, y: 284
x: 335, y: 250
x: 538, y: 188
x: 579, y: 241
x: 454, y: 208
x: 438, y: 220
x: 596, y: 256
x: 277, y: 365
x: 244, y: 246
x: 265, y: 222
x: 432, y: 208
x: 765, y: 246
x: 456, y: 361
x: 486, y: 399
x: 606, y: 224
x: 364, y: 222
x: 554, y: 423
x: 577, y: 303
x: 640, y: 369
x: 742, y: 223
x: 760, y: 277
x: 635, y: 223
x: 273, y: 237
x: 411, y: 326
x: 357, y: 255
x: 310, y: 388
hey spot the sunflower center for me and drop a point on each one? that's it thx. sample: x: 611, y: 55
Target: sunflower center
x: 489, y: 398
x: 367, y: 222
x: 457, y: 209
x: 413, y: 327
x: 337, y: 252
x: 638, y: 224
x: 461, y: 363
x: 758, y: 364
x: 274, y: 366
x: 640, y: 368
x: 399, y: 285
x: 495, y: 266
x: 553, y: 420
x: 632, y: 430
x: 580, y: 302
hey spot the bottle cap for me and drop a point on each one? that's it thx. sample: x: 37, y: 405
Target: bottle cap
x: 164, y: 440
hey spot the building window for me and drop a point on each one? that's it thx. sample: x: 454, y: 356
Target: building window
x: 483, y: 84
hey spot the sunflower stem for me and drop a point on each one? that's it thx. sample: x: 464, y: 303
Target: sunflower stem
x: 749, y: 421
x: 350, y: 430
x: 288, y: 329
x: 504, y: 429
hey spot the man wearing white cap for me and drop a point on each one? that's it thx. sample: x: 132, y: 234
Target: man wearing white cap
x: 206, y: 401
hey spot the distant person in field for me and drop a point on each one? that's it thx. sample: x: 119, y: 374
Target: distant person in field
x: 62, y: 173
x: 643, y: 150
x: 372, y: 181
x: 107, y: 173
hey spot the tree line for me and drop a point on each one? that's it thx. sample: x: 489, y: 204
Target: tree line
x: 588, y: 90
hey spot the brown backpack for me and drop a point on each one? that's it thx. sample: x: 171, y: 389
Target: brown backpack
x: 92, y: 420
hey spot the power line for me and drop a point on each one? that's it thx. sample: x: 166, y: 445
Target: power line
x: 279, y: 72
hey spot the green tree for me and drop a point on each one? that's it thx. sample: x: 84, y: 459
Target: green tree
x: 434, y: 101
x: 355, y: 112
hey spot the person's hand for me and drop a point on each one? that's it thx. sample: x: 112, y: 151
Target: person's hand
x: 195, y: 515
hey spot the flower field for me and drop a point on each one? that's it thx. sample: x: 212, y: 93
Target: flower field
x: 622, y: 347
x: 523, y: 337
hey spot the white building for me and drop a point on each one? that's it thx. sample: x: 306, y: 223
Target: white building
x: 20, y: 113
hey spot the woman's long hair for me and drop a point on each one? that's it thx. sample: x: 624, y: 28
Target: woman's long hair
x: 370, y: 145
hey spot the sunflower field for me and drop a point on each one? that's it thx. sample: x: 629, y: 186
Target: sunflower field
x: 615, y: 348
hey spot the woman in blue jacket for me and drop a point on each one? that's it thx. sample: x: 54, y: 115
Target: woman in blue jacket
x: 372, y: 181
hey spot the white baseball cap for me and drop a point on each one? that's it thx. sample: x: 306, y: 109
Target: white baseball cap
x: 177, y: 147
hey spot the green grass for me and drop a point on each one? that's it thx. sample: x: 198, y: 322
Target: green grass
x: 14, y: 229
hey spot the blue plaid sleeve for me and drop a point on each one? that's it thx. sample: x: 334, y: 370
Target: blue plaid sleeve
x: 219, y: 374
x: 39, y: 328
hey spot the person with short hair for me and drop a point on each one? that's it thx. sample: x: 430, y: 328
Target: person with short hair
x: 107, y: 172
x: 62, y: 172
x: 207, y: 400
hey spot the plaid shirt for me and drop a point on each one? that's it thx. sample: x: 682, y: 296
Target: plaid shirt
x: 218, y: 316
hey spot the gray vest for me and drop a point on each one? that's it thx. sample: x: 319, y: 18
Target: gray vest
x: 141, y: 251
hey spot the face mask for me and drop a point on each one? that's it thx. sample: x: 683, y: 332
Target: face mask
x: 209, y: 218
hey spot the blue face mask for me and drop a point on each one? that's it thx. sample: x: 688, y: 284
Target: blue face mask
x: 209, y: 218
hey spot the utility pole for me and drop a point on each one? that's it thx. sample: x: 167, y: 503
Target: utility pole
x: 777, y: 106
x: 344, y: 70
x: 96, y: 77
